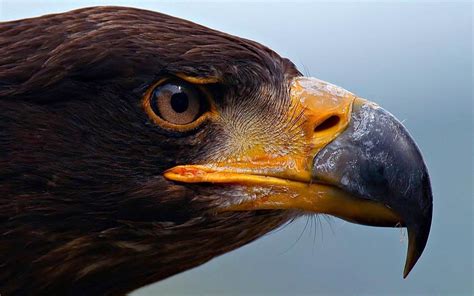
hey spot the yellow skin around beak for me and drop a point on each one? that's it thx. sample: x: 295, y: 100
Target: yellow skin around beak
x: 284, y: 181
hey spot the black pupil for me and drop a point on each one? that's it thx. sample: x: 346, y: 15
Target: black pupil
x: 179, y: 102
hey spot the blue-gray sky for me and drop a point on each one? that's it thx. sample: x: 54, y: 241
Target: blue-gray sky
x: 414, y: 59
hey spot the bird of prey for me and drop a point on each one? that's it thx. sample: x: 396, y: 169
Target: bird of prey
x: 136, y: 145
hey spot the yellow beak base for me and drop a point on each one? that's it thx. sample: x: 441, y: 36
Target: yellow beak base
x: 284, y: 194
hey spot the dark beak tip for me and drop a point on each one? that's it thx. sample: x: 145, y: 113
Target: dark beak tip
x: 420, y: 224
x: 417, y: 240
x: 413, y: 253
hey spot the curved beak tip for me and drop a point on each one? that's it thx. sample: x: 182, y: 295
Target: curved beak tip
x: 417, y: 239
x: 412, y: 256
x: 418, y: 232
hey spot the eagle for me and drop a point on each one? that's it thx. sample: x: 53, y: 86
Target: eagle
x: 135, y: 145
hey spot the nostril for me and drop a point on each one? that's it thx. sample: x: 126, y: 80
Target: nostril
x: 327, y: 124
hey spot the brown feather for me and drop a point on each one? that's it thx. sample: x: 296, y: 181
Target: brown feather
x: 84, y: 208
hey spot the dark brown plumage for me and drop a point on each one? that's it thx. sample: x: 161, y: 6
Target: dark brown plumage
x: 83, y: 206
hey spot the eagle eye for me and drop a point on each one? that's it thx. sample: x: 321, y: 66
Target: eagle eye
x: 176, y: 104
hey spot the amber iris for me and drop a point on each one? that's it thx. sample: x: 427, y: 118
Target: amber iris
x: 176, y: 104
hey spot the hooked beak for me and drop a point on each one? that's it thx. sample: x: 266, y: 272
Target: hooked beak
x: 362, y: 166
x: 376, y: 159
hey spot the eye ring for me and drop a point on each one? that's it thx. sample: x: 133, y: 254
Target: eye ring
x: 178, y: 105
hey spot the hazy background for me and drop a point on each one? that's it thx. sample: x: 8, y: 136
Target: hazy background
x: 415, y: 59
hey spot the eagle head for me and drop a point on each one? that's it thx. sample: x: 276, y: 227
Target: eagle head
x: 135, y: 145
